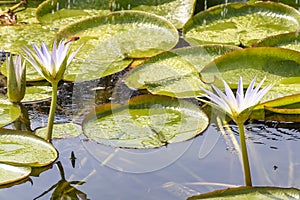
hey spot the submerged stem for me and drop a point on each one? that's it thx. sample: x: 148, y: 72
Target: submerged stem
x: 52, y: 112
x: 247, y: 173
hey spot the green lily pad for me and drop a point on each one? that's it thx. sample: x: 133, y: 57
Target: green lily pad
x: 287, y: 40
x: 60, y: 131
x: 241, y: 23
x: 80, y: 70
x: 9, y: 112
x: 145, y: 122
x: 180, y: 86
x: 10, y: 173
x: 281, y: 67
x: 203, y: 5
x: 243, y: 193
x: 13, y: 38
x: 24, y: 148
x: 293, y: 3
x: 133, y: 34
x: 110, y: 40
x: 176, y: 11
x: 37, y: 93
x: 58, y: 13
x: 176, y: 73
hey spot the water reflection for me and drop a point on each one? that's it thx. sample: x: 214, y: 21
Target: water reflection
x: 63, y: 189
x: 270, y: 133
x: 185, y: 176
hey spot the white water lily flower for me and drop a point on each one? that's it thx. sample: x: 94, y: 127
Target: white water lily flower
x: 235, y: 105
x: 50, y: 64
x: 16, y: 78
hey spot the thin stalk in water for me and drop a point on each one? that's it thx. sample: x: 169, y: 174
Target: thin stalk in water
x: 246, y: 166
x: 52, y: 112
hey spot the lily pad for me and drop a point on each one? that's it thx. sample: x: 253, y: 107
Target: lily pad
x: 285, y: 105
x: 293, y: 3
x: 281, y: 67
x: 203, y: 5
x: 176, y: 11
x: 9, y: 112
x: 132, y: 34
x: 86, y: 70
x: 65, y: 130
x: 180, y: 87
x: 110, y: 40
x: 24, y: 148
x: 287, y: 40
x: 10, y: 173
x: 145, y: 122
x: 243, y: 193
x: 37, y: 93
x: 58, y: 13
x: 241, y: 23
x: 176, y: 73
x: 15, y: 37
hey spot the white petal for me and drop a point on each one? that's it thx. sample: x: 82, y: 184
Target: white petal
x: 30, y: 58
x: 240, y: 95
x: 73, y: 55
x: 61, y: 53
x: 47, y: 57
x: 263, y: 92
x: 250, y: 96
x: 54, y: 56
x: 218, y: 101
x: 231, y: 100
x: 41, y: 57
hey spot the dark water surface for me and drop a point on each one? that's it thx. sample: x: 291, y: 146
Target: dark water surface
x: 209, y: 161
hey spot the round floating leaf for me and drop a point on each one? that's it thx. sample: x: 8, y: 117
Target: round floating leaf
x: 26, y: 32
x: 10, y: 173
x: 13, y: 38
x: 287, y: 40
x: 109, y: 40
x: 126, y: 33
x: 9, y: 112
x: 176, y: 73
x: 89, y: 70
x: 145, y: 122
x: 66, y: 130
x: 203, y: 5
x: 63, y: 12
x: 240, y: 23
x: 293, y: 111
x: 293, y: 3
x: 181, y: 86
x: 281, y: 67
x: 24, y: 148
x: 37, y: 93
x: 176, y: 11
x: 243, y: 193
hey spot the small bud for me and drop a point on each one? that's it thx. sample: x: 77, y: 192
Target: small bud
x: 16, y: 79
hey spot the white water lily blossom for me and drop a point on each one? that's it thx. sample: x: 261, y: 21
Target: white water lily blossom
x: 50, y: 64
x: 235, y: 105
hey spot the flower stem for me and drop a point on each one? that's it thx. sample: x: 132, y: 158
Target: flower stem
x: 52, y: 111
x: 247, y: 173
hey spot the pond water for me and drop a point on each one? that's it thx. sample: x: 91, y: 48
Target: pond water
x: 208, y: 162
